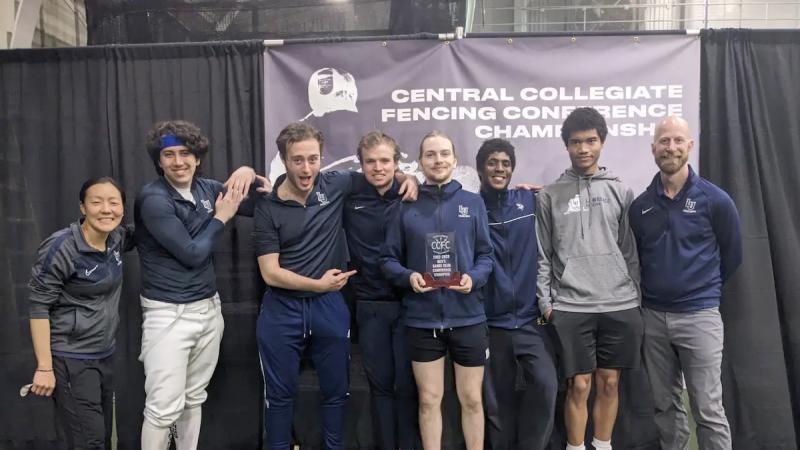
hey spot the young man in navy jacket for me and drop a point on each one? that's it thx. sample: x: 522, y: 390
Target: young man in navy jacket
x: 511, y: 308
x: 179, y: 218
x: 443, y: 320
x: 378, y: 310
x: 687, y: 233
x: 301, y: 255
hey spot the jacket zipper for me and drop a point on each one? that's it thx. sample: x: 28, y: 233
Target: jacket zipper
x: 439, y: 228
x: 507, y: 233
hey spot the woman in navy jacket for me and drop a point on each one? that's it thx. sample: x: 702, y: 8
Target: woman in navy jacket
x: 74, y: 312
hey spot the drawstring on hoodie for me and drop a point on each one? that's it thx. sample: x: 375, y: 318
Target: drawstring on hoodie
x: 588, y: 200
x: 580, y: 207
x: 589, y: 193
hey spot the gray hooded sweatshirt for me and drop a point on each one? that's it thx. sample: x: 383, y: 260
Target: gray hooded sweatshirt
x: 587, y: 252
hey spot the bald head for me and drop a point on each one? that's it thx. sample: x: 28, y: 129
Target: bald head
x: 672, y: 144
x: 671, y: 123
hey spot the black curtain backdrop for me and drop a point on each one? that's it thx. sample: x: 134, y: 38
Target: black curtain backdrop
x: 750, y: 146
x: 68, y: 114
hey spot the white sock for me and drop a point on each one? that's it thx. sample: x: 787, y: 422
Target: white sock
x: 188, y: 426
x: 153, y: 437
x: 601, y: 445
x: 576, y: 447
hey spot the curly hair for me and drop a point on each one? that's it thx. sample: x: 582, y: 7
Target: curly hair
x: 495, y: 145
x: 297, y: 132
x: 373, y: 139
x: 584, y: 119
x: 187, y: 132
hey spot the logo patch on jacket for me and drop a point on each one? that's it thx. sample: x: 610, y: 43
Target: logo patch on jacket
x: 207, y: 205
x: 574, y: 205
x: 688, y: 207
x: 89, y: 272
x: 520, y: 206
x: 322, y: 199
x: 463, y: 211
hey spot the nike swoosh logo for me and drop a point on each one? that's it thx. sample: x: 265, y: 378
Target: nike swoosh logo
x: 359, y: 207
x: 89, y: 272
x: 645, y: 211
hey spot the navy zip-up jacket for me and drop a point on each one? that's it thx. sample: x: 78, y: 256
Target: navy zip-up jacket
x: 511, y: 291
x: 77, y: 288
x: 365, y: 227
x: 175, y: 239
x: 688, y: 246
x: 439, y: 209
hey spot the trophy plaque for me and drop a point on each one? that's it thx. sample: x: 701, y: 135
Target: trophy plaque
x: 441, y: 262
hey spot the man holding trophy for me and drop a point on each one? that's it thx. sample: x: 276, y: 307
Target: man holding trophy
x: 440, y: 249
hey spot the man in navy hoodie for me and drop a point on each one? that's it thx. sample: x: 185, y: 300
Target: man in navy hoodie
x: 687, y: 233
x: 511, y: 308
x: 439, y: 319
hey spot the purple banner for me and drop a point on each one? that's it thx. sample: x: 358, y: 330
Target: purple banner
x: 520, y: 89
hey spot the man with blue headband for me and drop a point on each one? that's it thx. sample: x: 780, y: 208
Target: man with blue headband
x: 179, y: 217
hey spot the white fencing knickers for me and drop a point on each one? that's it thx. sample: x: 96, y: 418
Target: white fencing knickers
x: 180, y: 349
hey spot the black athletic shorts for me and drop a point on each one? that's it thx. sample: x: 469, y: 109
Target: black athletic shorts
x: 468, y: 346
x: 587, y: 341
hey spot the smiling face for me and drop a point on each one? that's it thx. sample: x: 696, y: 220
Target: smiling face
x: 378, y: 165
x: 496, y: 172
x: 438, y: 159
x: 584, y: 149
x: 179, y: 165
x: 302, y: 165
x: 102, y: 208
x: 672, y: 145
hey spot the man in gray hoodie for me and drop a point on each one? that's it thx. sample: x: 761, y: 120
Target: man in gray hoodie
x: 588, y: 278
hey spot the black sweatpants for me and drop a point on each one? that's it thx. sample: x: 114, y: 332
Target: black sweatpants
x: 530, y: 348
x: 84, y: 396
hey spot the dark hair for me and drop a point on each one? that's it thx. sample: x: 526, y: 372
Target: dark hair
x: 495, y: 145
x: 436, y: 133
x: 297, y: 132
x: 187, y: 132
x: 100, y: 180
x: 584, y: 119
x: 373, y: 139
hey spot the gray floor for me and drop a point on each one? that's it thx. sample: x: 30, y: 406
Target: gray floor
x: 692, y: 440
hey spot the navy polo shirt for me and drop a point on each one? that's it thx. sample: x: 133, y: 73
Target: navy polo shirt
x: 309, y: 237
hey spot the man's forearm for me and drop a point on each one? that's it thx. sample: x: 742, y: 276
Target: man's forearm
x: 286, y: 279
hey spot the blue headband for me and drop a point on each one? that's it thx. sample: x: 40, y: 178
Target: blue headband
x: 170, y: 140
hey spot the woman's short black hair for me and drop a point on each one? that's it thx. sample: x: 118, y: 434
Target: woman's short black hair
x: 100, y: 180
